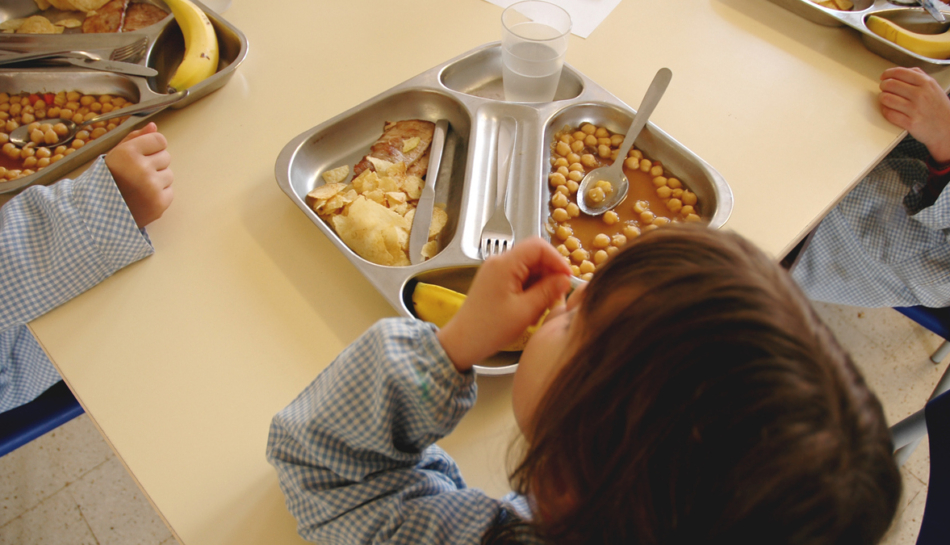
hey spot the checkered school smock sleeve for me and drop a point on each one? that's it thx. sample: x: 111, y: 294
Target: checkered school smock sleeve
x: 355, y: 451
x: 56, y: 242
x: 884, y: 245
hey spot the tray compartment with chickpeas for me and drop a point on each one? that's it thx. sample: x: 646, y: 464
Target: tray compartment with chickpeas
x: 467, y: 91
x: 41, y: 92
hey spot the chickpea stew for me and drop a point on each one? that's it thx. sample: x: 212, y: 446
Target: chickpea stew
x: 32, y: 109
x: 655, y: 198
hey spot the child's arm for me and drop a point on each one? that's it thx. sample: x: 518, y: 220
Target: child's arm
x: 140, y: 165
x: 915, y: 102
x: 509, y: 293
x: 355, y: 455
x: 60, y: 240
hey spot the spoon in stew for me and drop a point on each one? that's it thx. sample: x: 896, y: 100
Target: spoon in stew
x: 594, y: 197
x: 21, y: 136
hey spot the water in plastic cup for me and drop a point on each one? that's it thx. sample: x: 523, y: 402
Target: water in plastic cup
x: 534, y: 42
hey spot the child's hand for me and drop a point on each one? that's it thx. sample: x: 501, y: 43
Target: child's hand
x: 140, y: 166
x: 510, y: 292
x: 915, y: 102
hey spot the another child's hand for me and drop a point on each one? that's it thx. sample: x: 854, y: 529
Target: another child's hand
x: 140, y: 167
x: 510, y: 292
x: 915, y: 102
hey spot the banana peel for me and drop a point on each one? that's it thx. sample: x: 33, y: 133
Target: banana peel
x: 934, y: 46
x: 438, y: 305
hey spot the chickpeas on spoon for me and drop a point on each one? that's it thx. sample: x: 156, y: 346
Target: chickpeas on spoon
x: 605, y: 187
x: 27, y: 134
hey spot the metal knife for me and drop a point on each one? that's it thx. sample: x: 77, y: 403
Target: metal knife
x: 113, y: 66
x: 932, y: 10
x: 419, y: 233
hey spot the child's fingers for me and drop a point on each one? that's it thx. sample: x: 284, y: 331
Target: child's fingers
x: 546, y: 292
x: 539, y: 257
x: 150, y: 128
x: 149, y: 143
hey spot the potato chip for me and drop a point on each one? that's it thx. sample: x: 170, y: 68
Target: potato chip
x: 64, y: 5
x: 42, y: 4
x: 410, y: 144
x: 336, y: 175
x: 429, y: 249
x: 439, y: 219
x: 69, y: 23
x: 372, y: 231
x: 87, y: 5
x: 334, y: 204
x: 366, y: 181
x: 325, y: 191
x: 412, y: 185
x: 395, y: 197
x: 381, y: 166
x: 387, y: 184
x: 11, y: 24
x: 38, y: 24
x: 845, y: 5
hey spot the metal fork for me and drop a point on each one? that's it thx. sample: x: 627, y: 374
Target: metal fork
x: 130, y: 52
x: 497, y: 235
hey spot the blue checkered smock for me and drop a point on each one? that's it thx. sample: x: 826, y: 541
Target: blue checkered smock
x: 883, y: 246
x: 355, y: 454
x: 56, y: 242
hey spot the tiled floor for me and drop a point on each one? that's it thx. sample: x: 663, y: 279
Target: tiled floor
x: 69, y: 488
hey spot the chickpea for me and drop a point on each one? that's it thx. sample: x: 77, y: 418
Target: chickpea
x: 11, y: 125
x: 82, y: 135
x: 106, y: 108
x: 560, y: 215
x: 72, y: 105
x: 566, y: 138
x: 606, y: 186
x: 13, y: 153
x: 579, y: 135
x: 36, y: 136
x: 560, y: 162
x: 562, y: 249
x: 563, y: 190
x: 640, y: 207
x: 600, y: 256
x: 66, y: 113
x: 4, y: 138
x: 27, y: 118
x: 42, y: 162
x: 587, y: 266
x: 647, y: 217
x: 87, y: 100
x: 572, y: 243
x: 119, y: 102
x: 89, y: 116
x: 30, y: 162
x: 689, y: 197
x: 587, y: 277
x: 78, y: 118
x: 572, y: 186
x: 27, y: 151
x: 650, y: 228
x: 573, y: 210
x: 576, y: 167
x: 674, y: 183
x: 588, y: 160
x: 588, y: 128
x: 60, y: 150
x: 13, y: 174
x: 614, y: 154
x: 616, y: 140
x: 631, y: 163
x: 604, y: 151
x: 663, y: 192
x: 591, y: 140
x: 57, y: 157
x: 15, y: 109
x: 562, y: 149
x: 601, y: 132
x: 43, y: 152
x: 657, y: 169
x: 611, y: 251
x: 73, y: 96
x: 95, y: 107
x: 40, y: 114
x: 108, y: 127
x: 601, y: 241
x: 645, y: 165
x: 661, y: 221
x: 563, y: 171
x: 693, y: 217
x: 50, y: 137
x: 677, y: 193
x: 687, y: 210
x: 603, y: 141
x: 555, y: 178
x: 28, y: 110
x: 5, y: 108
x: 564, y: 233
x: 579, y: 255
x: 618, y: 240
x: 70, y: 151
x: 575, y: 270
x: 60, y: 99
x: 105, y: 99
x: 577, y: 146
x: 674, y: 205
x: 4, y: 98
x: 595, y: 195
x: 573, y: 158
x: 634, y: 152
x: 559, y: 200
x: 60, y: 129
x: 96, y: 133
x: 611, y: 217
x: 577, y: 176
x: 8, y: 148
x: 77, y: 143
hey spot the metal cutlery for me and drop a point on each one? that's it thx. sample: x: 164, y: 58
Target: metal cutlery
x: 82, y: 59
x: 497, y: 235
x: 419, y: 234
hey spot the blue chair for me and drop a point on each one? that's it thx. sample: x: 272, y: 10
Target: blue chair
x: 51, y: 409
x: 937, y: 320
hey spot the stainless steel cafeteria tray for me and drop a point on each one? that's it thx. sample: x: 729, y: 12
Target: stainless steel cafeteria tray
x: 467, y: 91
x: 163, y: 52
x: 912, y: 18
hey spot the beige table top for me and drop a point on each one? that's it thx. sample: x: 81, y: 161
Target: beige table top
x: 182, y: 359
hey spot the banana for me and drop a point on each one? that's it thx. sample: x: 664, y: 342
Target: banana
x: 201, y: 45
x: 934, y: 46
x: 438, y: 305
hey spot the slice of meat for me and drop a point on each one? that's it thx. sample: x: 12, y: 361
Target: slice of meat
x: 142, y: 15
x: 108, y: 18
x: 390, y: 145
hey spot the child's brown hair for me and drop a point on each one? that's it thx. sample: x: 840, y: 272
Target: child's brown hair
x: 706, y: 403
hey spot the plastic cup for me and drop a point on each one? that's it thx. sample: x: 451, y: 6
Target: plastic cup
x: 533, y: 44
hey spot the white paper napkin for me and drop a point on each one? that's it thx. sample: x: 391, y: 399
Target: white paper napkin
x: 585, y: 14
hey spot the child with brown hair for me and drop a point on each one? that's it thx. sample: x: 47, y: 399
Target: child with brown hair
x: 688, y: 395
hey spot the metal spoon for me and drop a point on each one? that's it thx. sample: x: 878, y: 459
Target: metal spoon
x: 614, y: 172
x: 21, y: 135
